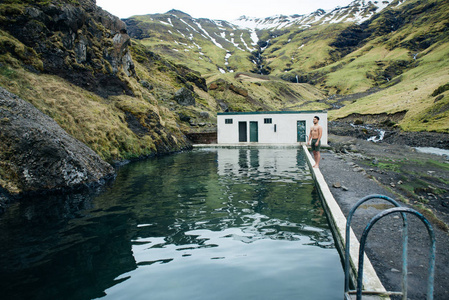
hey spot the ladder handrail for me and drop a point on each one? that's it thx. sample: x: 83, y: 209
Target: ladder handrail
x: 348, y: 229
x: 376, y: 218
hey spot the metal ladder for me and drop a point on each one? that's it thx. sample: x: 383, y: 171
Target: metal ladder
x: 397, y: 209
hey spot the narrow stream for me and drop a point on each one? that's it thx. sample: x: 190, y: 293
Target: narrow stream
x: 204, y: 224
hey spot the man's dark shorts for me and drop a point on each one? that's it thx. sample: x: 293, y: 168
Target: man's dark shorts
x: 314, y: 147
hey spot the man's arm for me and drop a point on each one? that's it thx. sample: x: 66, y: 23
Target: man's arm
x: 320, y: 134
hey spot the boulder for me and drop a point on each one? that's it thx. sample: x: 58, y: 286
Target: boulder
x: 183, y: 117
x: 185, y: 97
x: 146, y: 84
x: 213, y: 86
x: 37, y: 155
x: 222, y: 104
x: 238, y: 90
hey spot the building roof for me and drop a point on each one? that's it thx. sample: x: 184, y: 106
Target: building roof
x: 272, y: 112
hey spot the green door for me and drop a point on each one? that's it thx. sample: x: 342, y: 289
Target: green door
x: 301, y: 131
x: 242, y: 132
x: 253, y: 132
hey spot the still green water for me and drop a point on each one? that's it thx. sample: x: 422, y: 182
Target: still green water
x: 204, y: 224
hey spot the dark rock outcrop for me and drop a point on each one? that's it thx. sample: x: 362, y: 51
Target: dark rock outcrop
x: 37, y: 155
x: 79, y: 42
x: 222, y: 104
x: 197, y: 80
x: 134, y: 29
x: 185, y: 97
x: 238, y: 90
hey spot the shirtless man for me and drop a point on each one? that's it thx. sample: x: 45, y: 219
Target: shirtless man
x: 315, y: 135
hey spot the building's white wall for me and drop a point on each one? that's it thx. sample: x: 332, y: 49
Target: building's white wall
x: 286, y: 127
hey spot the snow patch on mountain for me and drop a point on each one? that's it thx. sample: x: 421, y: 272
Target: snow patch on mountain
x: 208, y: 35
x: 189, y: 25
x: 246, y: 45
x: 357, y: 11
x: 165, y: 23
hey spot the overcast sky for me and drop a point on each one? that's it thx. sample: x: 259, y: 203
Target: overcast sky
x: 218, y: 10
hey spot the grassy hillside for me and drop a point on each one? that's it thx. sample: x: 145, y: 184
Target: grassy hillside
x: 195, y: 43
x: 100, y: 123
x: 409, y: 64
x: 249, y: 92
x: 300, y: 51
x: 419, y: 91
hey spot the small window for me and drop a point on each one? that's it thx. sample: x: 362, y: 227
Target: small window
x: 267, y: 121
x: 228, y: 121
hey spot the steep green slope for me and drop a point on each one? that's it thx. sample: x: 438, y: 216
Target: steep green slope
x: 200, y: 44
x: 118, y: 127
x: 419, y: 91
x: 300, y: 51
x: 409, y: 63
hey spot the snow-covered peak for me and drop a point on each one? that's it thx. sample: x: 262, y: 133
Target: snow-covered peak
x: 357, y: 11
x: 276, y: 21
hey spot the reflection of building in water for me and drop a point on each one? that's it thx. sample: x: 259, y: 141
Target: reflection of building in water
x: 286, y: 163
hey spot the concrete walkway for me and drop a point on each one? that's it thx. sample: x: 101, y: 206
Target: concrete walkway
x: 337, y: 220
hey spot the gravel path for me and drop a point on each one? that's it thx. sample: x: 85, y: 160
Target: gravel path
x: 349, y: 182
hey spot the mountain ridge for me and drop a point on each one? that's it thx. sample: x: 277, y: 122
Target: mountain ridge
x: 393, y: 41
x: 357, y: 11
x: 244, y: 33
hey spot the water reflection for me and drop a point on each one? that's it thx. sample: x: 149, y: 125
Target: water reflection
x: 277, y: 164
x: 227, y: 223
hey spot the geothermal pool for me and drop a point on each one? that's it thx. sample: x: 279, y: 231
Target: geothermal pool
x: 235, y: 223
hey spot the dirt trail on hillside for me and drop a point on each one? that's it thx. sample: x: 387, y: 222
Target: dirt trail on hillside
x: 355, y: 168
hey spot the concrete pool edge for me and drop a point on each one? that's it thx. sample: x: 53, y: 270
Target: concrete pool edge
x: 337, y: 220
x: 250, y: 145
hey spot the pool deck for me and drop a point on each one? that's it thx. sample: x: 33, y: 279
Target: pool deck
x: 337, y: 220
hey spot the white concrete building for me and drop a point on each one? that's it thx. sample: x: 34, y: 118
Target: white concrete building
x: 270, y: 127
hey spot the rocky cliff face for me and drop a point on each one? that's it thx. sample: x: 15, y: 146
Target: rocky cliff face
x: 79, y: 42
x: 88, y: 47
x: 36, y: 154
